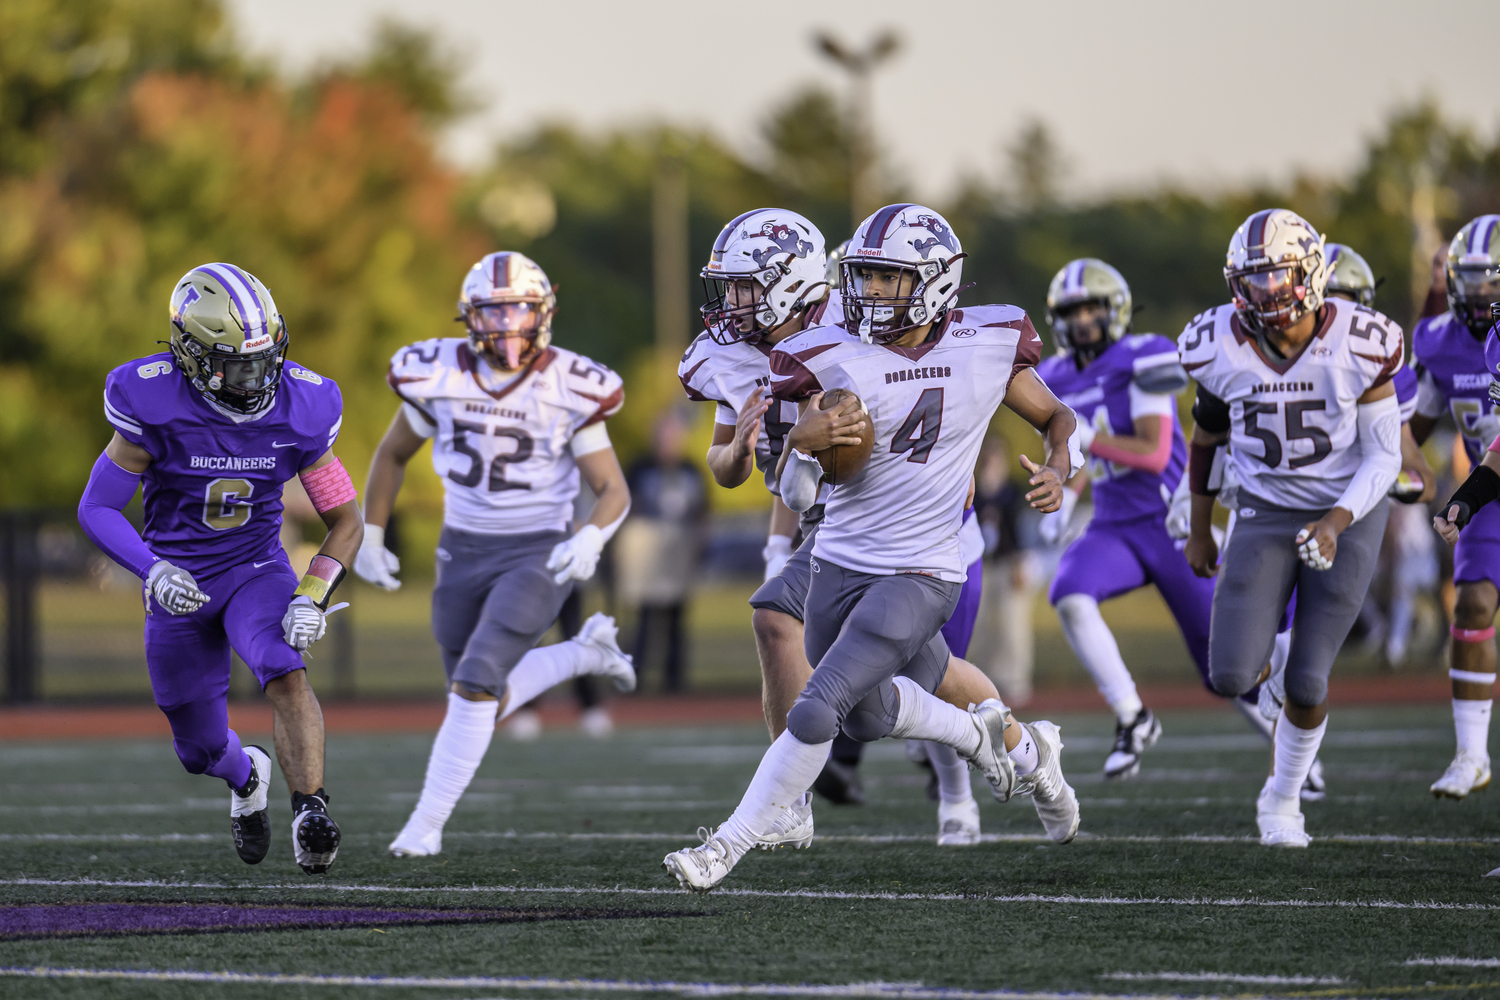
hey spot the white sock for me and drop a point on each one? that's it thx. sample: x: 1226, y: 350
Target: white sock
x: 952, y: 773
x: 921, y: 716
x: 1294, y: 755
x: 545, y: 667
x: 460, y: 745
x: 1251, y: 712
x: 1024, y: 754
x: 1471, y: 724
x: 1091, y: 639
x: 785, y: 774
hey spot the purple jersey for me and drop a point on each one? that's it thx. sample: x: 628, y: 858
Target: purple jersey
x: 1453, y: 378
x: 1106, y: 395
x: 1405, y: 382
x: 213, y: 490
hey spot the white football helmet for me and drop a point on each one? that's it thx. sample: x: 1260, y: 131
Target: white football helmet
x: 1349, y: 275
x: 507, y: 305
x: 906, y: 238
x: 1277, y: 269
x: 1474, y: 273
x: 782, y: 257
x: 1087, y: 279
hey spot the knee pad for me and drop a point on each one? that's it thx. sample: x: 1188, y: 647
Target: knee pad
x: 1071, y: 607
x: 1228, y: 686
x: 477, y: 675
x: 812, y: 722
x: 1306, y: 691
x: 195, y: 758
x: 866, y: 726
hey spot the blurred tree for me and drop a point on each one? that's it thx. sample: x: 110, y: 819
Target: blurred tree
x: 809, y: 142
x: 419, y: 67
x: 1037, y: 166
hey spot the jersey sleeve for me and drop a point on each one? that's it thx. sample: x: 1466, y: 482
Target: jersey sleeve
x: 1429, y: 401
x: 1376, y: 347
x: 318, y: 411
x: 414, y: 374
x: 1155, y: 367
x: 695, y: 375
x: 1196, y: 346
x: 791, y: 378
x: 1028, y: 348
x: 1405, y: 382
x: 122, y: 395
x: 598, y: 391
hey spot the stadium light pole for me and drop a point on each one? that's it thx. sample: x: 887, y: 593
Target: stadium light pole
x: 864, y: 180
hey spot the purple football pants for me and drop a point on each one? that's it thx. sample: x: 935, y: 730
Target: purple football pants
x: 188, y: 657
x: 959, y: 629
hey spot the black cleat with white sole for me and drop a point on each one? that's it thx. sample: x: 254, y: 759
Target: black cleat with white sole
x: 249, y: 819
x: 315, y: 836
x: 1131, y: 740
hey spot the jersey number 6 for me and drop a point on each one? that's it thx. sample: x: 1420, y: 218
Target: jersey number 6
x: 524, y: 447
x: 226, y: 503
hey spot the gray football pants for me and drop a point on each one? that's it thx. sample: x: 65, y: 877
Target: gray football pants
x: 1259, y: 569
x: 862, y: 630
x: 493, y: 600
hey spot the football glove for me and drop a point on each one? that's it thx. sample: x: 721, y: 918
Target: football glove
x: 776, y: 553
x: 1055, y: 524
x: 577, y: 557
x: 175, y: 589
x: 374, y: 563
x: 1179, y: 509
x: 304, y: 622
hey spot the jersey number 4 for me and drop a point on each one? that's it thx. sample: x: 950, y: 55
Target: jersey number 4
x: 524, y: 447
x: 920, y: 430
x: 1296, y: 430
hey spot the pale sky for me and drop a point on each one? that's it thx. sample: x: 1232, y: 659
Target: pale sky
x: 1188, y: 91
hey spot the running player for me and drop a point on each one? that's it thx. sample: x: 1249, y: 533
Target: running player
x: 214, y: 445
x: 886, y: 563
x: 515, y: 421
x: 1300, y: 386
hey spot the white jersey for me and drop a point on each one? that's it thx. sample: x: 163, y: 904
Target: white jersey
x: 1293, y: 435
x: 726, y: 375
x: 501, y: 442
x: 930, y: 407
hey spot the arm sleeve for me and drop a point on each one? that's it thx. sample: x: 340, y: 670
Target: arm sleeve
x: 1380, y: 443
x: 108, y: 491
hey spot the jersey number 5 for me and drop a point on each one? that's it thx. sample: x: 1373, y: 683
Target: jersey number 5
x: 1296, y: 430
x: 920, y: 430
x: 524, y: 447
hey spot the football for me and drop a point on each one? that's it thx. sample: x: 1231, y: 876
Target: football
x: 841, y: 463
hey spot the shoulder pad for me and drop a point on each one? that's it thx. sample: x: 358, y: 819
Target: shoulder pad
x: 131, y: 405
x: 694, y: 374
x: 599, y: 391
x: 791, y: 376
x: 416, y: 369
x: 317, y: 405
x: 1198, y: 343
x: 1155, y: 366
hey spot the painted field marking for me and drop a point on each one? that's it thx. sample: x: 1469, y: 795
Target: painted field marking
x: 1223, y: 977
x: 918, y: 897
x: 1454, y: 961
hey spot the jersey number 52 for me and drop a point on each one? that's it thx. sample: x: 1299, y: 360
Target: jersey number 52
x: 461, y: 444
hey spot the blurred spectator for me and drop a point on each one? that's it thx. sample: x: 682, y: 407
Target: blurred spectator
x: 659, y: 548
x: 1004, y: 646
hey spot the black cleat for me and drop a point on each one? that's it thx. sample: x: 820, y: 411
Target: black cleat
x: 839, y: 783
x: 248, y: 818
x: 315, y: 836
x: 1132, y: 740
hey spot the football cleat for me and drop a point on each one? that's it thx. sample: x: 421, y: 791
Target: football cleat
x: 595, y: 722
x: 600, y: 633
x: 1280, y: 819
x: 1056, y: 802
x: 958, y: 824
x: 1466, y: 774
x: 793, y: 827
x: 248, y: 816
x: 700, y: 868
x: 417, y: 839
x: 1131, y: 740
x: 1314, y: 788
x: 840, y: 784
x: 990, y: 718
x: 315, y: 836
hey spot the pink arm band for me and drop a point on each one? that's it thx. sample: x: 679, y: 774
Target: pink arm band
x: 328, y: 486
x: 1494, y: 445
x: 1153, y: 462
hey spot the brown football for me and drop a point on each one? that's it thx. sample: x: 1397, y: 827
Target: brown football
x: 843, y: 462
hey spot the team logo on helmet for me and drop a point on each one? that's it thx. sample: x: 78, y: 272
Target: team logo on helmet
x: 941, y: 236
x: 785, y: 238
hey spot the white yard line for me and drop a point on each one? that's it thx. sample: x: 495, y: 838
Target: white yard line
x: 918, y: 897
x: 1223, y: 977
x: 1454, y: 961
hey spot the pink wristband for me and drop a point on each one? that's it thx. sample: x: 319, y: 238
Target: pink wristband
x: 328, y: 486
x: 1154, y: 462
x: 1472, y: 634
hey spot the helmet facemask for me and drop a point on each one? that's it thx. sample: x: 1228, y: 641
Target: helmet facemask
x: 1272, y: 299
x: 509, y: 334
x: 1082, y: 329
x: 1472, y: 288
x: 738, y: 308
x: 884, y: 301
x: 244, y: 383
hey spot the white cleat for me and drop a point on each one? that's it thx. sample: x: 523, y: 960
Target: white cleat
x: 418, y: 839
x: 1280, y: 819
x: 601, y: 633
x: 990, y: 718
x: 958, y: 824
x: 1314, y: 788
x: 793, y: 827
x: 1056, y: 802
x: 1466, y: 774
x: 700, y: 868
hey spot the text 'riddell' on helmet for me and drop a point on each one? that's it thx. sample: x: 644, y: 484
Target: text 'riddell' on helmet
x: 228, y: 337
x: 507, y: 305
x: 1277, y: 270
x: 1349, y: 275
x: 766, y: 266
x: 917, y: 243
x: 1473, y: 271
x: 1080, y: 282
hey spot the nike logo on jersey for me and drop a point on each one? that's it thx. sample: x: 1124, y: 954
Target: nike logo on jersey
x: 278, y: 444
x: 912, y: 374
x: 260, y: 564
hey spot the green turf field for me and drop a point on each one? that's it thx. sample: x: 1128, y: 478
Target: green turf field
x: 565, y: 836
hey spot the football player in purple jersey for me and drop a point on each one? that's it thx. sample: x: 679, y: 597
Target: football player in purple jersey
x: 215, y: 427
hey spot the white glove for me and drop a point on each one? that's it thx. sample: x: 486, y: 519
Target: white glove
x: 576, y: 558
x: 1086, y: 432
x: 175, y: 589
x: 776, y: 553
x: 1488, y: 428
x: 304, y: 622
x: 1309, y: 553
x: 374, y: 563
x: 1055, y: 524
x: 1179, y: 508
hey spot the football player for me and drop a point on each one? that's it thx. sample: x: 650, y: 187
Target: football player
x: 215, y: 427
x: 1300, y: 386
x: 886, y: 562
x: 1449, y: 353
x: 514, y: 422
x: 765, y: 281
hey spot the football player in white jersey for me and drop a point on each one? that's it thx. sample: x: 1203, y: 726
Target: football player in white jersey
x: 765, y: 281
x: 886, y: 562
x: 514, y: 421
x: 1300, y: 386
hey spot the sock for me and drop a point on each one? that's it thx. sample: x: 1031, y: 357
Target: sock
x: 1294, y: 755
x: 1251, y: 711
x: 1024, y: 754
x: 1091, y: 639
x: 545, y: 667
x: 1471, y: 724
x: 460, y: 745
x: 952, y: 773
x: 785, y: 774
x: 233, y: 764
x: 921, y: 716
